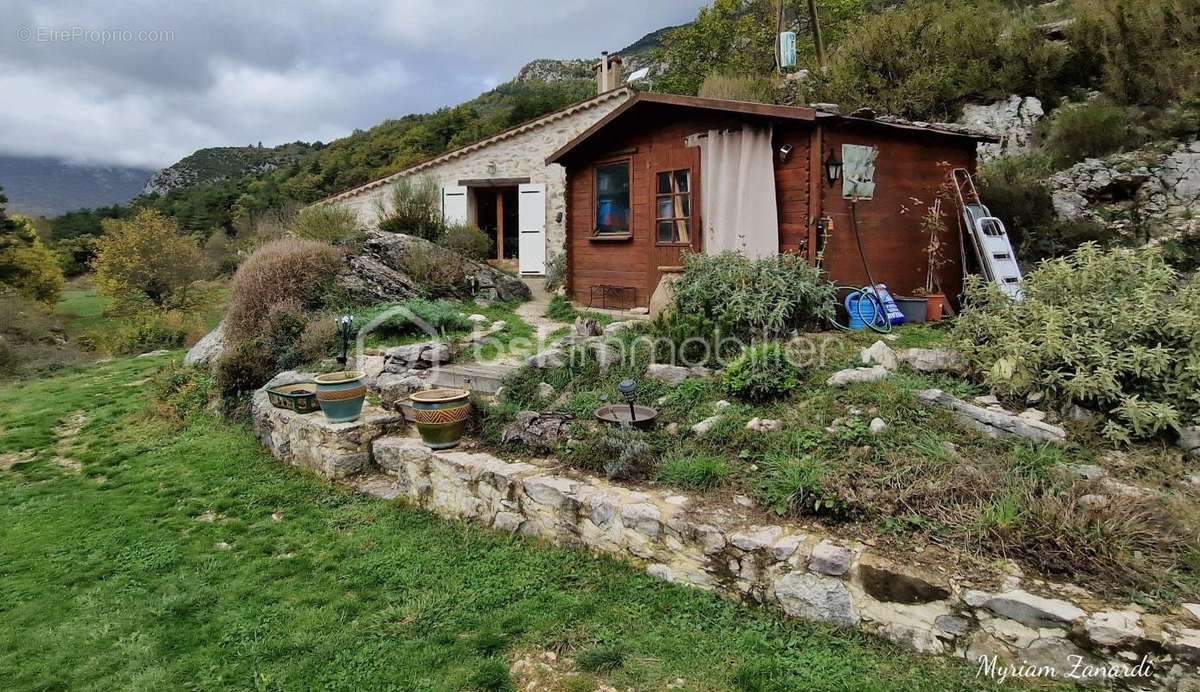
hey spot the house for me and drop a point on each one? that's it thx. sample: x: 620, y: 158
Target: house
x: 502, y: 184
x: 661, y: 175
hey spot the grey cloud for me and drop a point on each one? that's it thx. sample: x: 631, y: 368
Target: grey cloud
x: 240, y: 72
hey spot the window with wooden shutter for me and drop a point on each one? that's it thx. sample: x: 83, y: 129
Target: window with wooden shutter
x: 673, y: 207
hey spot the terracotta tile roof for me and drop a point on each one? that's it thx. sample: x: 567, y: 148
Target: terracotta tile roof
x: 475, y: 146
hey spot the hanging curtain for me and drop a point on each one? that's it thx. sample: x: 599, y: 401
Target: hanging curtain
x: 737, y: 175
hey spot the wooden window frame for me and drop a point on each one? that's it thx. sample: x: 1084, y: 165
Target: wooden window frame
x: 596, y: 233
x: 690, y: 218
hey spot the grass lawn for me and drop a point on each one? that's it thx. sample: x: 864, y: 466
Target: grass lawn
x: 188, y: 559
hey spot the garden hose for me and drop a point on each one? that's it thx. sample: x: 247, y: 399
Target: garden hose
x: 879, y: 321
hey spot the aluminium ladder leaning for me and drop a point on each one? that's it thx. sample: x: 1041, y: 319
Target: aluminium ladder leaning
x: 993, y: 250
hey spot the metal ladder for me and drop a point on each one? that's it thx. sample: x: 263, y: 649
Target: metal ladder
x: 989, y: 238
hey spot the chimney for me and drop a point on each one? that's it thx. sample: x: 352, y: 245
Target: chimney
x: 608, y: 72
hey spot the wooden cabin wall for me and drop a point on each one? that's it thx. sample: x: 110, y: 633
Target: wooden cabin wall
x: 911, y: 168
x: 793, y: 185
x: 656, y: 145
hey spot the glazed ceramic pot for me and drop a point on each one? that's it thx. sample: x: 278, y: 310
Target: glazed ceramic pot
x: 441, y: 415
x: 341, y: 395
x: 300, y: 397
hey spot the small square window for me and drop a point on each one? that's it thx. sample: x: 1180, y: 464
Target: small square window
x: 673, y: 207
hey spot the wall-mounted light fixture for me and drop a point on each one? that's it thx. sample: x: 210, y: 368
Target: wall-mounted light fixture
x: 785, y: 153
x: 833, y: 168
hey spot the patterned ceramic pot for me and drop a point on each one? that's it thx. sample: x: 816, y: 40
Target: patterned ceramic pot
x: 441, y: 415
x: 341, y: 395
x: 300, y: 397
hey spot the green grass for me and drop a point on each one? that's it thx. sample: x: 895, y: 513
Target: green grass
x: 111, y: 579
x: 515, y: 329
x: 82, y: 308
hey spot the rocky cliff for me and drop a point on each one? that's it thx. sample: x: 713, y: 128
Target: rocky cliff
x: 220, y: 163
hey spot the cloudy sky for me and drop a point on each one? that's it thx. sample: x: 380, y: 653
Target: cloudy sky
x: 139, y: 82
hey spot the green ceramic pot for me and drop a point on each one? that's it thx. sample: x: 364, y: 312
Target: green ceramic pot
x: 300, y: 397
x: 441, y: 415
x: 341, y: 395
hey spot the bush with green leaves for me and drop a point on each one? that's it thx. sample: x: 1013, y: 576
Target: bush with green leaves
x: 765, y: 298
x: 1115, y: 331
x: 413, y: 207
x: 618, y: 452
x: 442, y: 315
x: 761, y: 373
x: 467, y: 240
x: 1088, y: 130
x: 331, y: 223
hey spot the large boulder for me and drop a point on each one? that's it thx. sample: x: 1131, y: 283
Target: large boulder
x: 378, y: 273
x: 207, y: 349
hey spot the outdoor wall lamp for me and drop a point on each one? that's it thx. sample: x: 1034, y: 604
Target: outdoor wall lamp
x: 833, y: 168
x: 345, y: 325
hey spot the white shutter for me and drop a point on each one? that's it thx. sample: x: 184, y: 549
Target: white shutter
x: 531, y: 222
x: 454, y: 204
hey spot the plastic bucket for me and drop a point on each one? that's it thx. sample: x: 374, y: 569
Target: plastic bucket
x: 913, y: 309
x: 863, y: 311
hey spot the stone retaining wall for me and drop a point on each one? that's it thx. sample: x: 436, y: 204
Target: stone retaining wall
x: 803, y: 573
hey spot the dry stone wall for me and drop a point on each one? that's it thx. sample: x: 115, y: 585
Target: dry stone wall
x: 804, y: 573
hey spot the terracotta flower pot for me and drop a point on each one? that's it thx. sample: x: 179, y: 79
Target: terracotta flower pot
x: 935, y: 306
x: 441, y: 415
x: 341, y: 395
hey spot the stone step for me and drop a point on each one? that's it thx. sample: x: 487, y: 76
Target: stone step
x: 482, y: 379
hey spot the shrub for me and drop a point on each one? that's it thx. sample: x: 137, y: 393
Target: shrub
x: 695, y: 471
x: 287, y: 270
x: 27, y: 266
x: 281, y: 330
x: 560, y: 309
x: 468, y: 241
x: 179, y: 392
x: 691, y: 339
x: 761, y: 373
x: 440, y: 315
x: 795, y: 485
x: 738, y: 88
x: 147, y: 260
x: 619, y: 453
x: 763, y: 298
x: 430, y: 267
x: 1143, y: 51
x: 1088, y: 130
x: 1112, y: 331
x: 244, y: 368
x: 556, y: 272
x: 318, y: 340
x: 414, y: 207
x: 922, y: 60
x: 31, y: 338
x: 150, y: 331
x: 330, y: 223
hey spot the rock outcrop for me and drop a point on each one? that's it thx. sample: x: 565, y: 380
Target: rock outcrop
x: 207, y: 349
x: 1012, y: 120
x: 1154, y: 190
x: 381, y: 272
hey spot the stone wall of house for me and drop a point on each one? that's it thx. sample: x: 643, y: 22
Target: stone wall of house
x: 520, y: 156
x: 1009, y: 620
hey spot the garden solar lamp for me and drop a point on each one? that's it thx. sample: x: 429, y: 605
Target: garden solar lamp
x: 628, y: 389
x: 345, y: 323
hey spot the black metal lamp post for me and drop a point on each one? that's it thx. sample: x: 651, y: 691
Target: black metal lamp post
x: 628, y: 389
x: 345, y: 330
